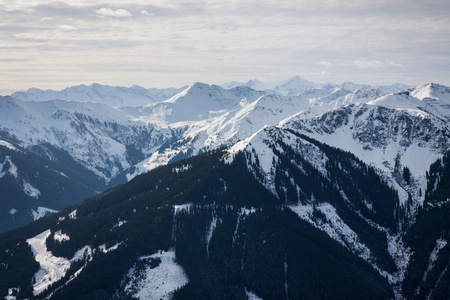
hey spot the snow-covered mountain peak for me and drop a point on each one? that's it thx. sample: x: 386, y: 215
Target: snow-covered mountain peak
x: 200, y: 89
x: 294, y: 86
x: 200, y: 102
x: 432, y: 91
x: 255, y: 84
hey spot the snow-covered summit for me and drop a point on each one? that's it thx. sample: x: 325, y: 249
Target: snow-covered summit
x: 200, y: 102
x: 432, y: 91
x: 294, y: 86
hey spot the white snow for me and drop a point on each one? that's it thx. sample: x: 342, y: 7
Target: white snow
x: 10, y: 293
x: 251, y: 295
x: 112, y: 248
x: 120, y: 223
x: 159, y: 282
x: 210, y: 232
x: 12, y: 211
x: 334, y: 226
x: 182, y: 207
x: 402, y: 102
x: 31, y: 190
x: 261, y: 145
x: 181, y: 169
x: 80, y: 254
x: 2, y: 173
x: 60, y: 237
x: 440, y: 243
x: 73, y: 214
x: 52, y: 268
x: 12, y: 168
x: 7, y: 145
x: 41, y: 212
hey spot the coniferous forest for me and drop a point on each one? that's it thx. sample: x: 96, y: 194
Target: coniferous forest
x: 233, y: 235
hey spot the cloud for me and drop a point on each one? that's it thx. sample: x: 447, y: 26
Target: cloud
x: 324, y: 73
x: 144, y: 12
x: 396, y: 64
x: 213, y: 40
x: 375, y: 64
x: 107, y: 12
x: 46, y: 19
x: 325, y: 63
x: 67, y: 27
x: 368, y: 64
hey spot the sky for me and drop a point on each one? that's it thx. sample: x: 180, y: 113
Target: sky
x: 170, y: 43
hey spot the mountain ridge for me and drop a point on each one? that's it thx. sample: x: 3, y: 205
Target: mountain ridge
x: 119, y: 143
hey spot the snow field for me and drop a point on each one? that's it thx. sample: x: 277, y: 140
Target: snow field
x: 159, y: 282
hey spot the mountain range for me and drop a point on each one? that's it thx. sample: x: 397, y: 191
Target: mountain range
x: 244, y: 190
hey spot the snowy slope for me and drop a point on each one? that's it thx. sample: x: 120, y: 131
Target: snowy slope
x: 315, y: 107
x: 156, y: 282
x: 435, y: 98
x: 380, y: 130
x: 266, y: 153
x: 94, y: 134
x: 233, y: 125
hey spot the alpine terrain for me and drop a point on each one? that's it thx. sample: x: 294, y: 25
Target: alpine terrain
x: 251, y: 190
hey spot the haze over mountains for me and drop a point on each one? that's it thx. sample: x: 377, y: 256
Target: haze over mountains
x: 355, y: 167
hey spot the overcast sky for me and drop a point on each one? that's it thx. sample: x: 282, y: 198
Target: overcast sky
x: 162, y: 43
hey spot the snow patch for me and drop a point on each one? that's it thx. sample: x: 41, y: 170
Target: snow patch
x: 157, y: 282
x: 12, y: 211
x: 52, y: 268
x: 112, y: 248
x: 334, y: 226
x: 440, y: 243
x: 212, y: 226
x: 73, y: 214
x: 60, y: 237
x: 120, y: 223
x: 251, y: 295
x: 7, y: 145
x: 30, y: 190
x: 41, y: 212
x: 12, y: 168
x: 182, y: 207
x: 86, y: 251
x: 181, y: 169
x: 11, y: 291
